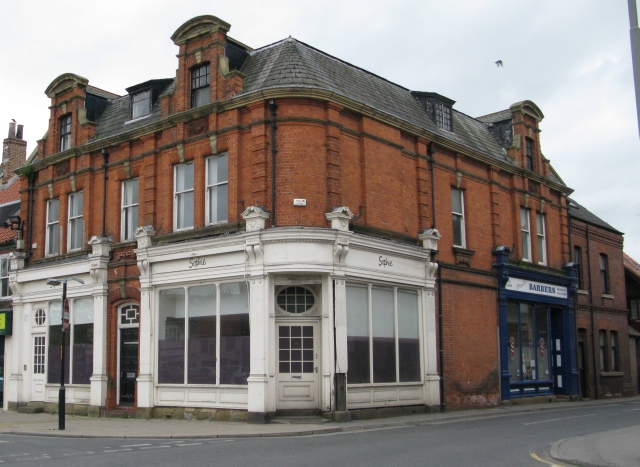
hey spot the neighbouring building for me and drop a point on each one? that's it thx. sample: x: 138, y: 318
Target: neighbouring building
x: 14, y: 152
x: 276, y: 229
x: 632, y: 283
x: 602, y: 335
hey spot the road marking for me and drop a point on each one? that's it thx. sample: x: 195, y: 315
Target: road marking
x: 556, y: 419
x: 156, y: 447
x: 117, y: 450
x: 542, y: 460
x: 188, y: 444
x: 134, y: 445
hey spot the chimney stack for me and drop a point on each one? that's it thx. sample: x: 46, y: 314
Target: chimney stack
x: 14, y: 152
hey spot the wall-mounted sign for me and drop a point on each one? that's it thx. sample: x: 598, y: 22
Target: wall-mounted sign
x: 6, y: 323
x: 299, y: 202
x: 195, y: 262
x: 384, y: 262
x: 538, y: 288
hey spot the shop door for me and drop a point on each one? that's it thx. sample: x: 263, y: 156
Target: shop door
x: 128, y: 365
x: 557, y: 351
x: 297, y: 365
x: 38, y: 361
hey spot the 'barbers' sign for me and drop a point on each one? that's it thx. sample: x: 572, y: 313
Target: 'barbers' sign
x: 537, y: 288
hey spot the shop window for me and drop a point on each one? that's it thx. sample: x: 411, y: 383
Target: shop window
x: 65, y: 132
x: 183, y: 197
x: 200, y: 86
x: 191, y: 321
x: 4, y: 277
x: 78, y: 346
x: 394, y: 340
x: 604, y: 274
x: 613, y: 350
x: 457, y: 212
x: 40, y: 317
x: 76, y: 223
x: 603, y: 350
x: 38, y: 354
x: 141, y: 104
x: 528, y: 342
x: 52, y: 241
x: 577, y: 259
x: 129, y: 209
x: 525, y: 231
x: 217, y: 189
x: 529, y: 153
x: 541, y: 236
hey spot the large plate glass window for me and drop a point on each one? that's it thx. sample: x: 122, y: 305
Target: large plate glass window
x: 129, y: 208
x: 183, y: 201
x: 78, y: 347
x: 528, y: 342
x: 383, y: 334
x: 203, y: 335
x: 53, y: 229
x: 217, y: 189
x: 76, y: 223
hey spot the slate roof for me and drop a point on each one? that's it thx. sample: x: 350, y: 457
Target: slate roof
x: 101, y: 92
x: 291, y: 63
x: 580, y: 212
x: 631, y: 265
x: 496, y: 116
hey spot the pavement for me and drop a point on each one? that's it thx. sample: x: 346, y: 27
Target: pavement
x: 615, y: 448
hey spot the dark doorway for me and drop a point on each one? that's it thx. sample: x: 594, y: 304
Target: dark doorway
x: 128, y: 365
x: 582, y: 362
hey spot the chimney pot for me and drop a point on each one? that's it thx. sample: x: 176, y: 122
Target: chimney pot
x: 19, y: 131
x: 12, y: 130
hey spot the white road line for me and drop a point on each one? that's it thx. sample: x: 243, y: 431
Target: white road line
x: 188, y: 444
x: 556, y: 419
x: 117, y: 450
x: 134, y: 445
x: 156, y: 447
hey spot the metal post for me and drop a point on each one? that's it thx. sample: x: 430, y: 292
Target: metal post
x: 634, y: 33
x: 61, y: 392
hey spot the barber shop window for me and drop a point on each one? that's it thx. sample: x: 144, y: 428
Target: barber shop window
x: 383, y: 334
x: 200, y: 86
x: 528, y: 342
x: 191, y: 322
x: 78, y: 346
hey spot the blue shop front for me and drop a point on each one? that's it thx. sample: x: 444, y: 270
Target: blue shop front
x: 537, y: 336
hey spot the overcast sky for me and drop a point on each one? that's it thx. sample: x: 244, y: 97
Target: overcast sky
x: 571, y: 57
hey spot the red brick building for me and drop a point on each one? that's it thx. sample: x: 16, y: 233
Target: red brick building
x: 601, y: 306
x: 632, y: 282
x: 278, y: 191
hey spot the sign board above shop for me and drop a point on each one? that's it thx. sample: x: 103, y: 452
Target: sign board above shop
x: 536, y: 288
x: 6, y: 323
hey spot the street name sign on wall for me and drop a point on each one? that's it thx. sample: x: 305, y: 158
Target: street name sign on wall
x: 6, y: 323
x: 537, y: 288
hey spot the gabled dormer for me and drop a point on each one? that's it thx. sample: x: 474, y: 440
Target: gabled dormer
x: 143, y: 96
x: 437, y: 107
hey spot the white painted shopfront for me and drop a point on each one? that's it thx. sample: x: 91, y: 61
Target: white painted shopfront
x: 262, y: 320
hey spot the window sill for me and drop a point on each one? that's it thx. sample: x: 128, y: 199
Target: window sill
x: 137, y: 119
x: 611, y: 374
x: 610, y: 297
x: 582, y: 292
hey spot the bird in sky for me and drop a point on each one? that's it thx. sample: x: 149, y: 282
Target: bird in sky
x: 499, y: 64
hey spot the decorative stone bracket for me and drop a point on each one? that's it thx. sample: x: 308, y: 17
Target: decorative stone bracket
x: 16, y: 261
x: 429, y: 238
x: 341, y: 249
x: 255, y: 217
x: 100, y: 246
x: 254, y: 249
x: 340, y: 218
x: 144, y: 236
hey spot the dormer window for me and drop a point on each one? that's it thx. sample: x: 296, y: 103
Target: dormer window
x: 200, y: 86
x: 437, y: 107
x: 65, y: 132
x: 141, y: 104
x: 443, y: 116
